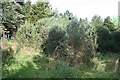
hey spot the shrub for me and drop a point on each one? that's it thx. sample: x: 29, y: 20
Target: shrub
x: 36, y: 35
x: 108, y: 40
x: 55, y: 32
x: 56, y: 40
x: 103, y: 38
x: 81, y: 40
x: 30, y: 35
x: 7, y: 56
x: 116, y: 36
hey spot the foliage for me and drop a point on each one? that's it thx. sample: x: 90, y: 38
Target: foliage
x: 36, y: 35
x: 116, y: 37
x: 15, y: 14
x: 27, y: 10
x: 7, y: 56
x: 107, y: 23
x: 114, y: 20
x: 106, y: 32
x: 56, y: 40
x: 30, y: 35
x: 108, y: 40
x: 81, y: 40
x: 103, y: 38
x: 25, y: 65
x: 70, y: 44
x: 11, y: 14
x: 96, y: 21
x: 34, y: 12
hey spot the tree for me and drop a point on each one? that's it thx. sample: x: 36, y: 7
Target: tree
x: 96, y: 21
x: 81, y: 40
x: 108, y: 23
x: 40, y: 10
x: 27, y: 10
x: 69, y: 15
x: 11, y: 18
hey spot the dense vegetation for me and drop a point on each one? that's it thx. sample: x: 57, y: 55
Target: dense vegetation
x: 46, y: 44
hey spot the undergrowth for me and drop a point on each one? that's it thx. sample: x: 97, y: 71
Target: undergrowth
x: 29, y: 63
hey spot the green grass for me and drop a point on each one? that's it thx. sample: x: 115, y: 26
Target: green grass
x: 29, y: 64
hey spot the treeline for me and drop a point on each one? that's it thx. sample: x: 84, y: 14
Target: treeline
x: 16, y: 13
x: 61, y: 34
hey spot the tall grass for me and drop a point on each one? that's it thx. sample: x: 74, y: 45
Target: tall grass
x: 29, y: 63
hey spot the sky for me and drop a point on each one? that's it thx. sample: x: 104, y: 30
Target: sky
x: 86, y: 8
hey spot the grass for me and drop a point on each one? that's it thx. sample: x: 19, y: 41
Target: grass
x: 30, y: 63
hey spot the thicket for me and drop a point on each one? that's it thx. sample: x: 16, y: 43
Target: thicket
x: 62, y: 35
x: 61, y: 38
x: 66, y: 36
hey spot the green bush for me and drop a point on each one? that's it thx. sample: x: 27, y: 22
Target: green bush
x: 36, y: 35
x: 7, y: 56
x: 81, y: 40
x: 103, y: 38
x: 116, y: 36
x: 30, y: 35
x: 108, y: 40
x: 55, y: 32
x: 56, y: 40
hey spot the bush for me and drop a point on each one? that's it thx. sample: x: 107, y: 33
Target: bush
x: 103, y: 38
x: 36, y: 35
x: 55, y: 32
x: 56, y: 40
x: 81, y: 40
x: 116, y: 36
x: 7, y: 56
x: 56, y: 36
x: 30, y: 35
x: 108, y: 40
x: 75, y: 35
